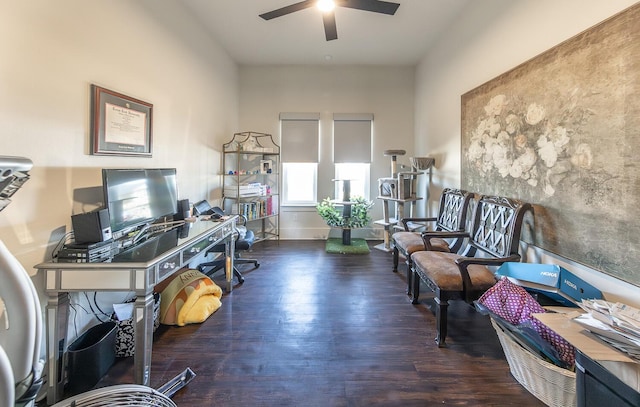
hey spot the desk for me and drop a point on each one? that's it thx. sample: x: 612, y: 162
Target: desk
x: 603, y: 373
x: 138, y: 270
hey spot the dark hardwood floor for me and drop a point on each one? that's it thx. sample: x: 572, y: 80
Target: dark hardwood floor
x: 309, y: 328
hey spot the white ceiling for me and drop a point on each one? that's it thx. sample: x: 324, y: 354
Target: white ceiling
x: 298, y: 38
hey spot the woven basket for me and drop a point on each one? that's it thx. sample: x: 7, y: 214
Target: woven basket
x: 551, y: 384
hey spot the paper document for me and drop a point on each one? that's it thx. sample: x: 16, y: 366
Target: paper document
x: 617, y: 324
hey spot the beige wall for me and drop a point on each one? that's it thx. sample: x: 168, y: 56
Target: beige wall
x: 387, y: 92
x: 51, y: 52
x: 490, y: 38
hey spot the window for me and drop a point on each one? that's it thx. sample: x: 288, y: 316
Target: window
x: 352, y: 152
x: 300, y: 148
x: 300, y: 183
x: 358, y: 174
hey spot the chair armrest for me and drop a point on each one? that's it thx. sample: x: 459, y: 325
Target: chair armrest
x: 405, y: 221
x: 464, y: 262
x: 443, y: 234
x: 244, y: 220
x: 491, y: 261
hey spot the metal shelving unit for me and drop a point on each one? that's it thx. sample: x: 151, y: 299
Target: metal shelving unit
x: 251, y: 187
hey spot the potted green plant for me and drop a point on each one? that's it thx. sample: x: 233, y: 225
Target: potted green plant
x: 345, y: 215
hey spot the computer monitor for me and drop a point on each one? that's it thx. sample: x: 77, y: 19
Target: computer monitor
x: 136, y: 197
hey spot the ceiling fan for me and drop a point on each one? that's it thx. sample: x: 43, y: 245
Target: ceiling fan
x: 328, y: 16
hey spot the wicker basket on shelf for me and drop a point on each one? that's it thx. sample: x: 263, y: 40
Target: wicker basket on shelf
x: 553, y: 385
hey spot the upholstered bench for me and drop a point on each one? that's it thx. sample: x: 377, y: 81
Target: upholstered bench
x: 452, y: 217
x: 493, y: 239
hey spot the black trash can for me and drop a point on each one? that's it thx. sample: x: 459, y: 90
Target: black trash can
x: 90, y: 356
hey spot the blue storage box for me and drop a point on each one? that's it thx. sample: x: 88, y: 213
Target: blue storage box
x: 577, y: 288
x: 543, y: 274
x: 551, y: 280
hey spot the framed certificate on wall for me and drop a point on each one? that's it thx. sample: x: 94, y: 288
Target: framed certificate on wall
x: 120, y: 124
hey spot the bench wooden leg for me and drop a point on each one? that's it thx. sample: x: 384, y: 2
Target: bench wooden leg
x: 441, y: 321
x: 396, y: 256
x: 415, y: 287
x: 410, y: 283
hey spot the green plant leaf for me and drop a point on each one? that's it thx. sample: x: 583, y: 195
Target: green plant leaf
x: 332, y: 213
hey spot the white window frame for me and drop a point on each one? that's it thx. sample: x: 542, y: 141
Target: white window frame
x: 291, y: 169
x: 342, y: 172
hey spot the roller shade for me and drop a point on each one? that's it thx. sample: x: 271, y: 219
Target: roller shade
x: 352, y: 138
x: 299, y: 137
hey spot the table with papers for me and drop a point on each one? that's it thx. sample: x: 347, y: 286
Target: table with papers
x: 619, y: 364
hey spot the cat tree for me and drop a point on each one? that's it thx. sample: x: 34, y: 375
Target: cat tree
x: 398, y: 190
x: 354, y: 212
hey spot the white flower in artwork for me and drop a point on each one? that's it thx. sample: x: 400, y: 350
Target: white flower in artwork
x: 523, y: 164
x: 503, y: 138
x: 488, y: 140
x: 535, y: 114
x: 476, y: 150
x: 533, y: 177
x: 549, y: 190
x: 487, y: 158
x: 495, y: 105
x: 559, y: 172
x: 516, y: 170
x: 494, y: 127
x: 483, y: 127
x: 501, y: 159
x: 547, y: 151
x: 552, y: 145
x: 512, y: 124
x: 582, y: 158
x: 486, y: 166
x: 559, y: 137
x: 522, y: 142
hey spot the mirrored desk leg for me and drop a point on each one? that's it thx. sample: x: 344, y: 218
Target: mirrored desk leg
x: 57, y: 322
x: 143, y: 339
x: 229, y: 253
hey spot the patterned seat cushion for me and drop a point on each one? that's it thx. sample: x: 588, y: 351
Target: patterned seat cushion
x: 410, y: 242
x: 442, y: 270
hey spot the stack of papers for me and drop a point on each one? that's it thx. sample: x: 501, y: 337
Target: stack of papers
x: 244, y: 190
x: 617, y: 324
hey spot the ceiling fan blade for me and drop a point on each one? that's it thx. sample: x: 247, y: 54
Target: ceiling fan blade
x: 376, y: 6
x: 330, y: 30
x: 288, y: 9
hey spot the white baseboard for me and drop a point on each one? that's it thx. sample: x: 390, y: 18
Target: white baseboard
x: 323, y: 233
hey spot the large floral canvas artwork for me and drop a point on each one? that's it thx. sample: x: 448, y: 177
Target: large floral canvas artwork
x: 562, y: 131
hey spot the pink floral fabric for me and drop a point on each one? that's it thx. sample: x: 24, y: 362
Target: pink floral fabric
x: 515, y: 305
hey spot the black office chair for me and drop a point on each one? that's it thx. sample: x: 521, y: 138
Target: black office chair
x: 243, y: 243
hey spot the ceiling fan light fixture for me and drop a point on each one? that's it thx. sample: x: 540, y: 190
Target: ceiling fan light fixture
x: 325, y: 5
